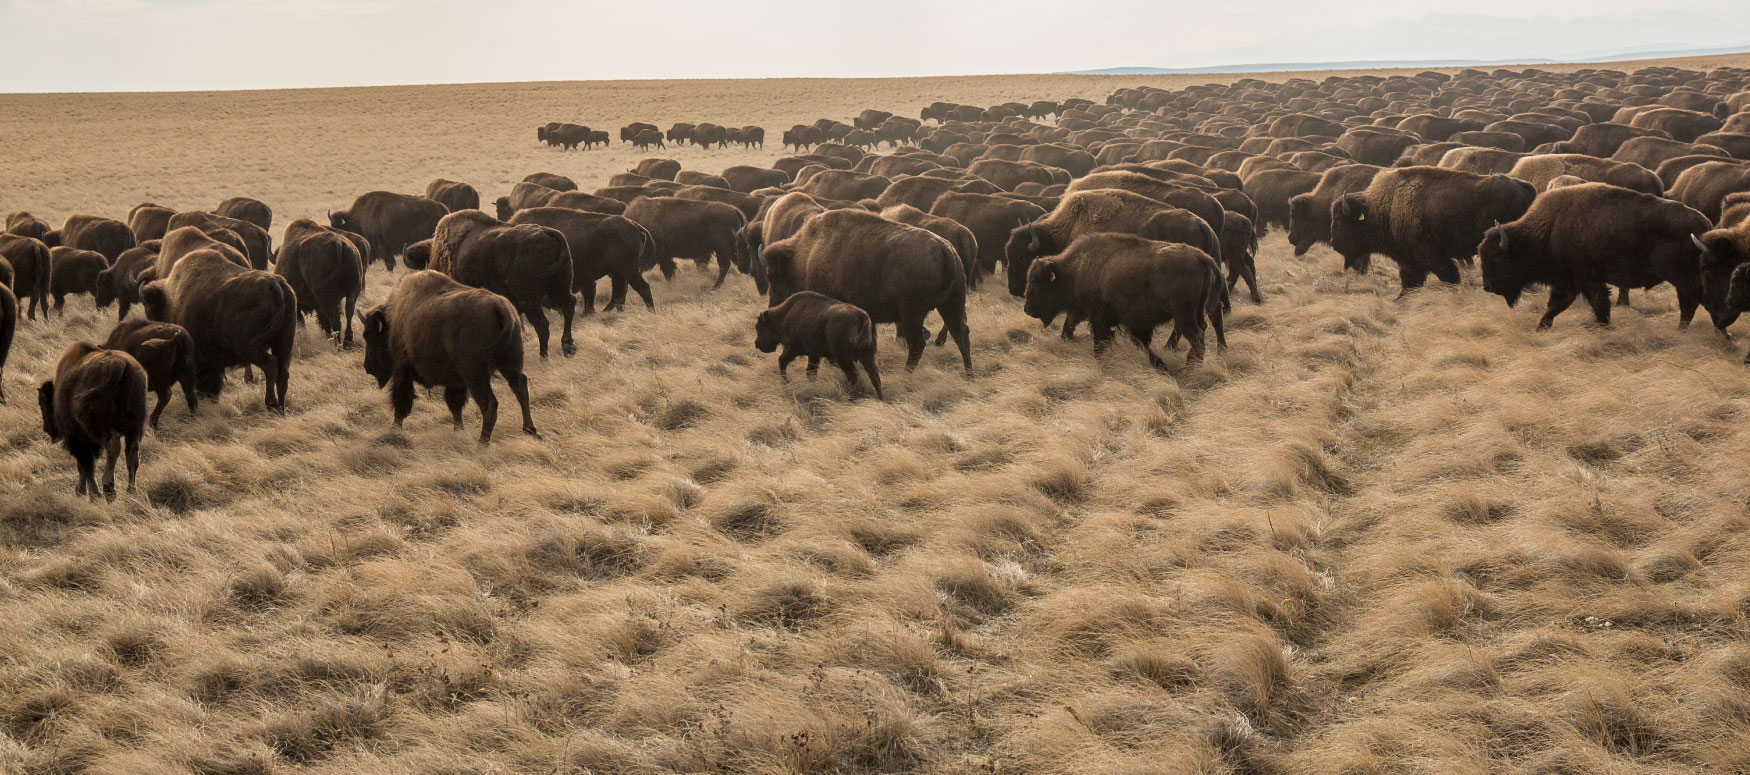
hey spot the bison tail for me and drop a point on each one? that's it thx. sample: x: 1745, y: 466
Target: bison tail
x: 45, y: 266
x: 646, y: 248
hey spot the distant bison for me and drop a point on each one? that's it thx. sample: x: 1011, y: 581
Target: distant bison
x: 245, y: 209
x: 74, y: 272
x: 31, y: 270
x: 453, y: 195
x: 389, y: 222
x: 601, y: 245
x: 1423, y: 218
x: 326, y: 273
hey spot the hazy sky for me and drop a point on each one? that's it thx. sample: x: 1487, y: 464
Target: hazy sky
x: 104, y: 45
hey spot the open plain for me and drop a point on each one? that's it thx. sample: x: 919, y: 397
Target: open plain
x: 1371, y: 536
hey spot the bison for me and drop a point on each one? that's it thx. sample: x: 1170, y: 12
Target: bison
x: 601, y: 246
x: 686, y: 228
x: 120, y: 281
x: 96, y: 403
x: 73, y: 271
x: 1423, y: 218
x: 1579, y: 239
x: 1102, y: 210
x: 389, y: 222
x: 236, y: 316
x: 245, y: 209
x: 816, y: 326
x: 1309, y: 214
x: 453, y: 195
x: 1122, y: 280
x: 436, y: 332
x: 149, y: 221
x: 528, y: 264
x: 107, y: 236
x: 165, y: 352
x: 326, y: 273
x: 32, y: 270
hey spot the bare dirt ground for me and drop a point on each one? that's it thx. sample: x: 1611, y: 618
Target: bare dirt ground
x: 1373, y: 536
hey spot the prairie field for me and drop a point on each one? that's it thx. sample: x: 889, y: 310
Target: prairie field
x: 1374, y: 535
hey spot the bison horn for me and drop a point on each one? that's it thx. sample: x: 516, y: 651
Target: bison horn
x: 1699, y: 245
x: 1343, y: 206
x: 1033, y: 243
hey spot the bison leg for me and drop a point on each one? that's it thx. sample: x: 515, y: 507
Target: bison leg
x: 1598, y: 297
x: 85, y: 458
x: 112, y: 449
x: 784, y: 359
x: 60, y: 306
x: 456, y: 397
x: 351, y: 304
x: 1410, y: 277
x: 1559, y: 299
x: 125, y: 305
x: 1071, y: 319
x: 1143, y: 339
x: 270, y: 377
x: 1687, y: 300
x: 248, y: 375
x: 587, y: 288
x: 481, y: 390
x: 132, y: 445
x: 567, y: 313
x: 813, y: 367
x: 1102, y: 332
x: 401, y: 393
x: 642, y: 286
x: 163, y: 398
x: 1622, y: 296
x: 868, y: 362
x: 1190, y: 327
x: 538, y: 321
x: 954, y: 320
x: 916, y: 336
x: 1446, y: 269
x: 519, y: 387
x: 722, y: 269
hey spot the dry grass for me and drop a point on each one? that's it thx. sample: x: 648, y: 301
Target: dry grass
x: 1373, y: 536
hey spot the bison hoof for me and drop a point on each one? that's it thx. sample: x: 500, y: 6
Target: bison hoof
x: 569, y: 348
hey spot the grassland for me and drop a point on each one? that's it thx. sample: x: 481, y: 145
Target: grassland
x: 1373, y: 536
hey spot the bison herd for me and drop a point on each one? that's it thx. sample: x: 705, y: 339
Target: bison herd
x: 1139, y: 212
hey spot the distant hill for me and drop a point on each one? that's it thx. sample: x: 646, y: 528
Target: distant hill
x: 1266, y: 67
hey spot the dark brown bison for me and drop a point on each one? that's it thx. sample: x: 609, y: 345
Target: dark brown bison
x: 120, y: 281
x: 1725, y: 249
x: 1603, y: 139
x: 697, y: 178
x: 601, y: 246
x: 8, y: 327
x: 165, y: 352
x: 528, y: 264
x: 1435, y: 129
x: 1122, y: 280
x: 245, y: 209
x: 453, y: 195
x: 1579, y: 239
x: 436, y: 332
x: 660, y: 169
x: 748, y: 179
x: 921, y: 192
x: 990, y: 219
x: 326, y: 273
x: 680, y: 133
x: 686, y: 228
x: 25, y: 224
x: 1183, y: 195
x: 236, y: 316
x: 1705, y: 186
x: 149, y: 221
x: 1239, y: 245
x: 753, y: 136
x: 1481, y: 161
x: 647, y: 138
x: 1273, y: 188
x: 748, y: 204
x: 814, y: 326
x: 801, y: 136
x: 1006, y: 175
x: 188, y: 239
x: 894, y: 272
x: 709, y: 135
x: 629, y: 133
x: 551, y: 180
x: 1369, y: 145
x: 1102, y: 210
x: 1309, y: 214
x: 1683, y: 125
x: 389, y: 222
x: 96, y: 403
x: 73, y: 271
x: 107, y: 236
x: 845, y: 184
x: 1423, y: 218
x: 32, y: 270
x: 257, y: 245
x: 965, y: 245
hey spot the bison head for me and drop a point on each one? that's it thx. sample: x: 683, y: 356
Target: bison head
x: 45, y: 398
x: 375, y: 324
x: 1048, y: 291
x: 156, y: 300
x: 765, y: 332
x: 503, y: 205
x: 1302, y: 223
x: 748, y: 259
x: 1721, y: 255
x: 1026, y: 242
x: 105, y: 294
x: 1501, y: 273
x: 1349, y: 228
x: 776, y: 261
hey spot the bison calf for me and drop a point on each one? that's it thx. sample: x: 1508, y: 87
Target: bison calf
x: 165, y: 352
x: 810, y: 324
x: 97, y: 401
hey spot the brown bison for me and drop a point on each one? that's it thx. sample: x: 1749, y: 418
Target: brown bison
x: 165, y: 352
x: 1423, y: 218
x: 814, y: 326
x: 551, y: 180
x: 245, y: 209
x: 257, y: 246
x: 748, y: 179
x: 326, y: 273
x: 647, y: 138
x: 8, y: 327
x: 149, y: 221
x: 629, y: 133
x: 107, y: 236
x: 96, y: 403
x: 659, y: 169
x: 188, y: 239
x: 1309, y: 214
x: 960, y: 237
x: 32, y: 269
x: 1705, y: 186
x: 436, y: 332
x: 1102, y: 210
x: 1239, y: 245
x: 73, y: 271
x: 1122, y: 280
x: 1579, y: 239
x: 389, y: 222
x: 236, y: 316
x: 686, y: 228
x: 601, y: 246
x: 24, y: 224
x: 453, y: 195
x: 894, y: 272
x: 528, y: 264
x: 1273, y: 188
x: 120, y: 281
x: 990, y: 219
